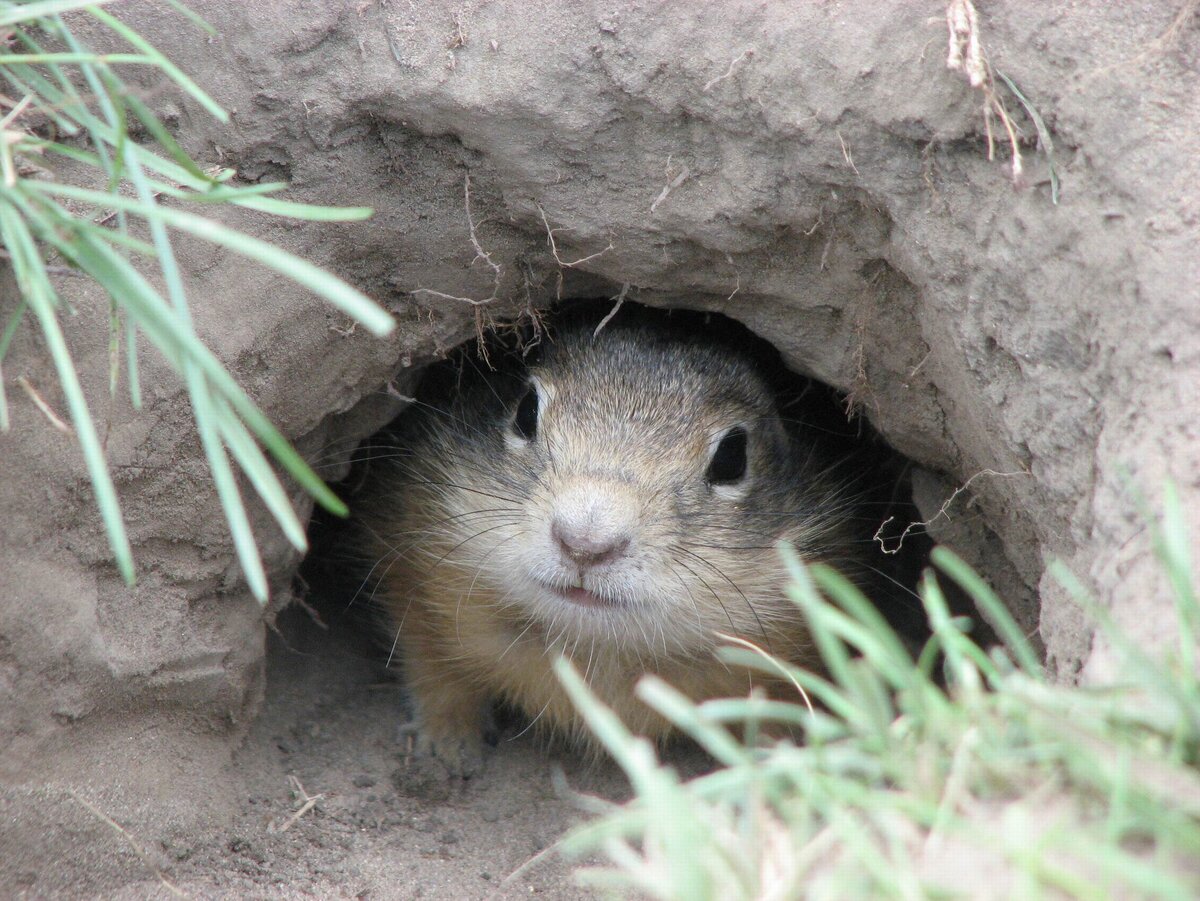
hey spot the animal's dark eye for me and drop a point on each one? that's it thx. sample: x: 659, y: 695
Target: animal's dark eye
x: 728, y: 463
x: 526, y: 420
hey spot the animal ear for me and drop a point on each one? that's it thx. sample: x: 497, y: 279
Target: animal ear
x: 727, y: 466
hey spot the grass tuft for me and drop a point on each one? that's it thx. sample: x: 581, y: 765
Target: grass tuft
x: 72, y: 106
x: 991, y: 780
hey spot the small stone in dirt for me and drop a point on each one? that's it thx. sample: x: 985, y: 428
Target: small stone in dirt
x: 424, y: 779
x: 244, y: 848
x: 362, y: 780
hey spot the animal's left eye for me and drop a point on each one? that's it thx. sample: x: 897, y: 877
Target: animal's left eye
x: 728, y: 463
x: 525, y: 421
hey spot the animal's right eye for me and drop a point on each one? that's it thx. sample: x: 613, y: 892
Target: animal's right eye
x: 525, y: 421
x: 728, y: 463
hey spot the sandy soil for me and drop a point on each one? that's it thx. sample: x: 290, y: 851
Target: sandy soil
x: 385, y: 825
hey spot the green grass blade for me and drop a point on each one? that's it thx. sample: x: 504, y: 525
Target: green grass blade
x: 131, y: 363
x: 851, y: 599
x: 250, y: 197
x: 31, y: 59
x: 204, y: 189
x: 35, y: 288
x: 820, y: 689
x: 351, y: 301
x: 72, y: 153
x: 227, y: 491
x: 961, y: 653
x: 174, y: 72
x: 119, y: 238
x: 1173, y: 548
x: 658, y: 786
x: 1155, y: 678
x: 10, y: 329
x: 1044, y: 139
x: 86, y: 245
x: 207, y: 413
x: 21, y: 13
x: 864, y: 627
x: 113, y: 163
x: 218, y: 193
x: 739, y: 710
x: 158, y: 322
x: 61, y: 103
x: 196, y: 19
x: 308, y: 212
x: 260, y: 474
x: 205, y: 410
x: 608, y: 728
x: 690, y: 718
x: 992, y: 607
x: 803, y: 591
x: 160, y: 134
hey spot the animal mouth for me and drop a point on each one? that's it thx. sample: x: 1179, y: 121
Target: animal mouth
x: 581, y: 596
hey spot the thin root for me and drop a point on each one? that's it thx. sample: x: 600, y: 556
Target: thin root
x: 942, y: 512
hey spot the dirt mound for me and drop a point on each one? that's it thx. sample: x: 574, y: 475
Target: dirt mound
x: 814, y: 171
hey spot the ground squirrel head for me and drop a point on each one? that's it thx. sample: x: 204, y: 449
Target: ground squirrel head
x: 626, y: 487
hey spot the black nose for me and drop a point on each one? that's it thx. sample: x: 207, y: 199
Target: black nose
x: 589, y: 547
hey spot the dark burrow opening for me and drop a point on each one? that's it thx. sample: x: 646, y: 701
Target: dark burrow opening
x: 337, y: 581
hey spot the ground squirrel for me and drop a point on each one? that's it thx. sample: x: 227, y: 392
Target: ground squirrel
x: 615, y: 497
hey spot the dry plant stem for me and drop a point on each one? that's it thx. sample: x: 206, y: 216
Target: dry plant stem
x: 137, y: 849
x: 480, y: 254
x: 954, y: 791
x: 942, y: 511
x: 563, y: 264
x: 554, y: 246
x: 1162, y: 44
x: 669, y: 187
x: 966, y: 55
x: 741, y: 57
x: 751, y: 646
x: 47, y: 410
x: 1167, y: 41
x: 846, y: 155
x: 620, y: 299
x: 306, y: 803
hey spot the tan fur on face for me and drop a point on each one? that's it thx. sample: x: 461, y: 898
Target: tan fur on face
x: 468, y: 566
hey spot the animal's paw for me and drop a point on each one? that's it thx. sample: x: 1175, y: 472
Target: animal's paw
x: 461, y: 755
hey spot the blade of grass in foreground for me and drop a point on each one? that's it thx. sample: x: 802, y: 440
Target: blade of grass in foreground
x: 98, y: 108
x: 22, y: 13
x: 206, y: 417
x: 156, y: 319
x: 176, y: 74
x: 351, y: 301
x: 37, y: 291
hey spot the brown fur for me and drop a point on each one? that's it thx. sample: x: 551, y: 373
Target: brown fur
x: 458, y: 528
